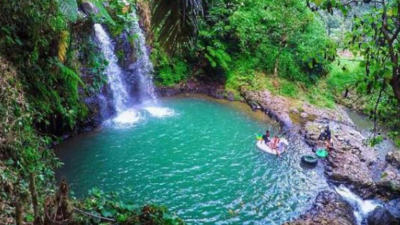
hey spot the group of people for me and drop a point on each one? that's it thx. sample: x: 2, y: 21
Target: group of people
x: 275, y: 143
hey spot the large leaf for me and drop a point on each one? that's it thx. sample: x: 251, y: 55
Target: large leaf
x: 69, y: 8
x: 176, y: 22
x: 102, y: 11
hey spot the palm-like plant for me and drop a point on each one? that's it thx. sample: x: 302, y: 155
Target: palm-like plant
x: 176, y: 22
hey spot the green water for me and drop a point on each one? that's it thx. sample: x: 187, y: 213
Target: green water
x: 201, y: 162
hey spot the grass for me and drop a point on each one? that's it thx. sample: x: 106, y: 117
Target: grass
x: 318, y: 94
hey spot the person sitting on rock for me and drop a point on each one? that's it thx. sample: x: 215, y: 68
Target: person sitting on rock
x: 265, y: 137
x: 326, y: 136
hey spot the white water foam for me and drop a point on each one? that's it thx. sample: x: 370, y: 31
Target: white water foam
x: 129, y: 116
x: 361, y: 207
x: 160, y: 112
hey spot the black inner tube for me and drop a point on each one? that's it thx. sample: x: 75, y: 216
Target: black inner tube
x: 309, y: 159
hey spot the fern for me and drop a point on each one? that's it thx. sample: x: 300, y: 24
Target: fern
x: 102, y: 11
x: 71, y: 77
x: 69, y: 8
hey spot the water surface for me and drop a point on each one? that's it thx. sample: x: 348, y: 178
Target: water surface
x: 200, y: 161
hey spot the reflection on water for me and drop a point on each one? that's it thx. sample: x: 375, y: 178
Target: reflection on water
x: 201, y: 162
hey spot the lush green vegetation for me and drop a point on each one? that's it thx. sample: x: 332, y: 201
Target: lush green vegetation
x: 287, y: 40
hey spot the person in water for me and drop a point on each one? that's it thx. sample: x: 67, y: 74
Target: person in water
x: 281, y: 146
x: 266, y: 136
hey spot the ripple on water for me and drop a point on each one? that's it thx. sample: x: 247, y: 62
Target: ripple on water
x: 202, y: 163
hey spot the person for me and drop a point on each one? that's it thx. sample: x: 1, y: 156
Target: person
x: 325, y: 134
x: 283, y: 143
x: 326, y: 137
x: 274, y: 142
x: 265, y: 137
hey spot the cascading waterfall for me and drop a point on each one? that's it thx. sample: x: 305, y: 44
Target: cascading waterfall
x: 142, y: 68
x: 121, y: 98
x: 361, y: 207
x: 113, y: 71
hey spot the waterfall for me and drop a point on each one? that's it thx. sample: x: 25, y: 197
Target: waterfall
x: 142, y: 68
x: 361, y: 207
x: 114, y: 72
x: 122, y: 82
x: 115, y: 75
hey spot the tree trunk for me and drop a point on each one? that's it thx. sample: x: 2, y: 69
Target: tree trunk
x: 34, y: 195
x: 276, y: 66
x: 19, y: 213
x: 394, y: 82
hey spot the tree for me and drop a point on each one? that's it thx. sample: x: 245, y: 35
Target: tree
x: 176, y: 22
x: 375, y: 37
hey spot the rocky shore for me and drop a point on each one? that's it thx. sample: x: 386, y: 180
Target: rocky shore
x: 352, y: 162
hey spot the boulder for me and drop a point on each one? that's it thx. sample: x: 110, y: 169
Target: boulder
x: 330, y: 209
x: 394, y: 208
x: 389, y: 182
x: 304, y: 115
x: 381, y: 216
x: 89, y: 8
x: 394, y: 158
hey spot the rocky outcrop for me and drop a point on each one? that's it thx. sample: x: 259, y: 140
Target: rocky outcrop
x: 89, y: 8
x: 394, y: 158
x: 388, y: 181
x: 350, y: 159
x: 381, y: 216
x: 394, y: 208
x: 328, y: 208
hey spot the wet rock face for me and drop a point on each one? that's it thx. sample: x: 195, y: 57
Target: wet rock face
x: 394, y: 158
x: 330, y: 209
x: 394, y: 208
x: 382, y: 216
x: 89, y: 8
x: 389, y: 182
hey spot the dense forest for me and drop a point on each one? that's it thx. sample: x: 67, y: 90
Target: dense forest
x: 323, y: 52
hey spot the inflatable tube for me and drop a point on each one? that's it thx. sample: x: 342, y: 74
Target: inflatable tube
x: 265, y: 148
x: 309, y: 160
x: 321, y: 153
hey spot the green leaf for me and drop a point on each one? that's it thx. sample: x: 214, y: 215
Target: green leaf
x: 102, y: 11
x: 108, y: 212
x: 318, y: 2
x: 122, y: 218
x: 69, y: 8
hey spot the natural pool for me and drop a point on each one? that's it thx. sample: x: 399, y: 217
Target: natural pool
x: 200, y: 161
